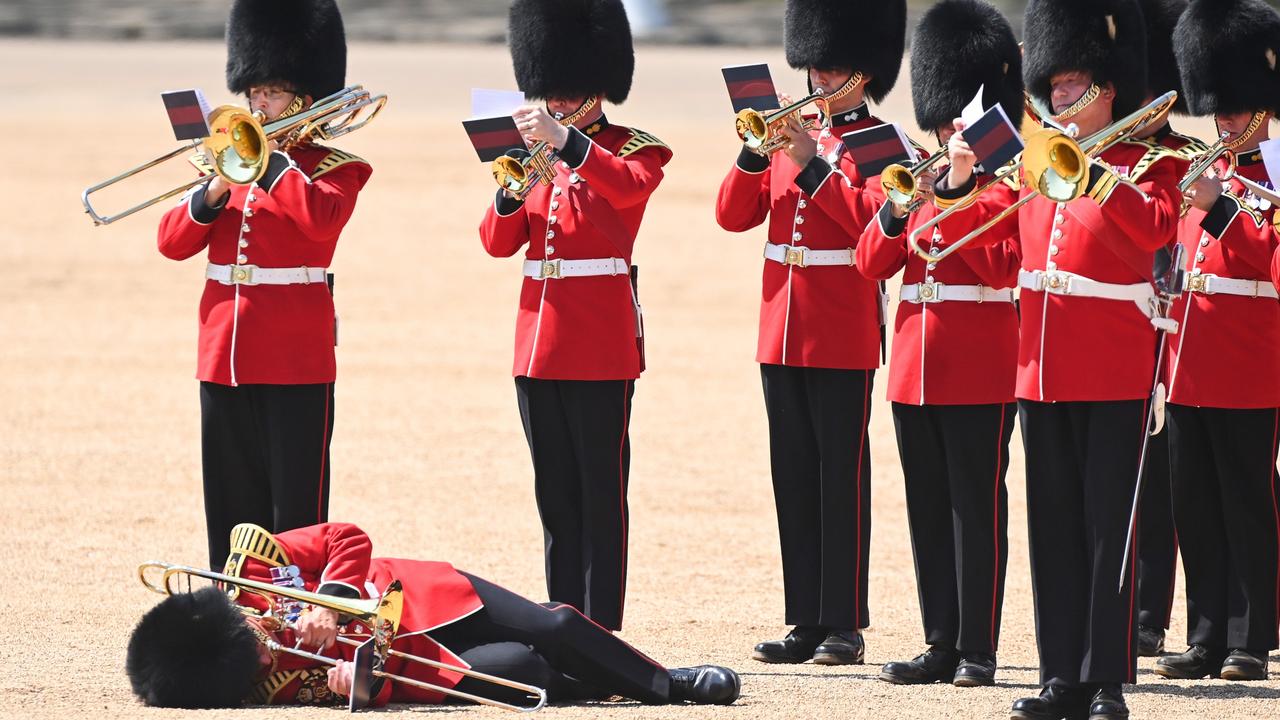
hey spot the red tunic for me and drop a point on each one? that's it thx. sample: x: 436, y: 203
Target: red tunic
x: 581, y: 328
x: 1224, y: 354
x: 816, y: 316
x: 338, y: 555
x: 1075, y: 348
x: 276, y: 334
x: 952, y: 352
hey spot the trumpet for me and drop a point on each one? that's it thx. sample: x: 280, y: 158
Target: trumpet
x: 238, y: 141
x: 1053, y: 164
x: 382, y: 615
x: 520, y: 173
x: 901, y: 184
x: 1202, y: 165
x: 763, y: 133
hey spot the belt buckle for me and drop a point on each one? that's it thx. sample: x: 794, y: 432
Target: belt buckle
x: 794, y: 256
x: 243, y: 274
x: 1198, y: 283
x: 550, y: 269
x: 1056, y: 283
x: 929, y: 292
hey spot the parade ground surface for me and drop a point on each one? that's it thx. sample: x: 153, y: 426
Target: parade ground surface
x: 99, y: 417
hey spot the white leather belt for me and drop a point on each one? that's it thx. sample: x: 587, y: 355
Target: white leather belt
x: 1059, y: 282
x: 802, y: 256
x: 254, y: 275
x: 1209, y: 284
x: 558, y: 268
x: 935, y: 292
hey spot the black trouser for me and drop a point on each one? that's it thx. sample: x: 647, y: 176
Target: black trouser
x: 1157, y: 541
x: 1082, y: 467
x: 954, y: 460
x: 821, y: 462
x: 1224, y: 485
x: 265, y: 451
x: 578, y: 437
x: 552, y: 646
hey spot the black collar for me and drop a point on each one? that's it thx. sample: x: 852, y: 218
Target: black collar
x: 596, y: 127
x: 849, y: 117
x: 1253, y: 157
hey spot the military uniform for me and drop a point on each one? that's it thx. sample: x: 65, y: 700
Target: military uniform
x: 579, y: 332
x: 267, y: 326
x: 951, y: 376
x: 820, y: 321
x: 1223, y: 370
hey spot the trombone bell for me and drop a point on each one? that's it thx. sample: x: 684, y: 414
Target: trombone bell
x: 1055, y: 165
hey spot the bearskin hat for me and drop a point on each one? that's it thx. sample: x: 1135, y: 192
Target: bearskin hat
x: 193, y: 650
x: 1227, y: 53
x: 866, y: 35
x: 297, y: 42
x: 959, y: 46
x: 1162, y: 66
x: 571, y: 48
x: 1105, y: 38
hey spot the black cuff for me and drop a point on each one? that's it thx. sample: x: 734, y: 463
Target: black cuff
x: 506, y: 205
x: 276, y: 165
x: 342, y: 591
x: 890, y: 224
x: 575, y: 149
x: 751, y: 162
x: 813, y: 174
x: 1097, y: 173
x: 1220, y: 215
x: 956, y: 193
x: 200, y: 211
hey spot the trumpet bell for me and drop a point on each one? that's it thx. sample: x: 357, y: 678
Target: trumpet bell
x: 238, y: 145
x: 899, y: 184
x: 752, y: 127
x: 1055, y: 165
x: 510, y: 173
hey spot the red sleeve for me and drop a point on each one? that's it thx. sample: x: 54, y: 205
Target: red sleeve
x: 622, y: 181
x: 995, y: 262
x: 320, y: 207
x: 505, y: 227
x: 1244, y: 234
x: 743, y: 200
x: 977, y: 210
x: 851, y: 206
x: 1147, y: 212
x: 339, y: 553
x: 184, y: 230
x: 882, y: 250
x: 1275, y: 268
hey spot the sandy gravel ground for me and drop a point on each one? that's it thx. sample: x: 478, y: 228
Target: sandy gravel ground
x: 99, y: 434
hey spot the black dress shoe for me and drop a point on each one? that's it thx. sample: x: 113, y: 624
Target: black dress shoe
x: 1108, y: 704
x: 705, y: 685
x: 796, y: 647
x: 842, y: 647
x: 937, y: 664
x: 1244, y: 665
x: 1197, y: 662
x: 1054, y: 703
x: 1150, y: 641
x: 975, y: 670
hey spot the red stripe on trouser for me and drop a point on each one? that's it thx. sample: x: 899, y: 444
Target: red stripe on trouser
x: 862, y: 444
x: 324, y: 457
x: 995, y: 529
x: 1132, y: 557
x: 1275, y: 511
x: 622, y: 501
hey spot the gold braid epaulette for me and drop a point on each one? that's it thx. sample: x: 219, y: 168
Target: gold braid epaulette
x: 265, y: 691
x: 1193, y: 149
x: 1155, y: 153
x: 334, y: 160
x: 201, y: 163
x: 640, y: 140
x: 249, y: 540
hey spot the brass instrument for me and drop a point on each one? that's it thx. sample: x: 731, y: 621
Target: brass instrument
x: 382, y: 615
x: 520, y: 174
x: 763, y: 133
x: 901, y: 184
x: 1203, y: 163
x: 238, y: 141
x: 1053, y: 164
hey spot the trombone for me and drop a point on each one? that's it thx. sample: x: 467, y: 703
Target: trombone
x: 763, y: 132
x: 1053, y: 164
x: 382, y: 615
x: 901, y: 184
x: 238, y: 140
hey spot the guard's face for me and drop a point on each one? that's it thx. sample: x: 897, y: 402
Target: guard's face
x: 1234, y: 123
x: 270, y: 100
x: 1067, y: 88
x: 564, y: 106
x: 944, y: 133
x: 829, y: 80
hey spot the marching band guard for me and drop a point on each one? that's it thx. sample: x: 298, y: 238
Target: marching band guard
x: 1085, y: 361
x: 199, y: 650
x: 820, y: 323
x: 951, y: 376
x: 1224, y: 373
x: 1157, y: 541
x: 578, y: 349
x: 267, y: 325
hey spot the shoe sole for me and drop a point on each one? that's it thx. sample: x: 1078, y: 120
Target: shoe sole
x: 1238, y: 675
x: 899, y: 680
x: 826, y: 659
x: 761, y: 657
x: 1169, y: 674
x: 969, y: 681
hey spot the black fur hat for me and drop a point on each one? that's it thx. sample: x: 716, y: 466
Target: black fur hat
x: 958, y: 46
x: 1105, y: 38
x: 193, y: 650
x: 1227, y: 52
x: 298, y: 42
x: 571, y: 48
x: 1162, y: 65
x: 866, y: 35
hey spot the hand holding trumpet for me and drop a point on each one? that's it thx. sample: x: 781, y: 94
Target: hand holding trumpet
x: 537, y: 125
x: 800, y: 147
x: 1204, y: 192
